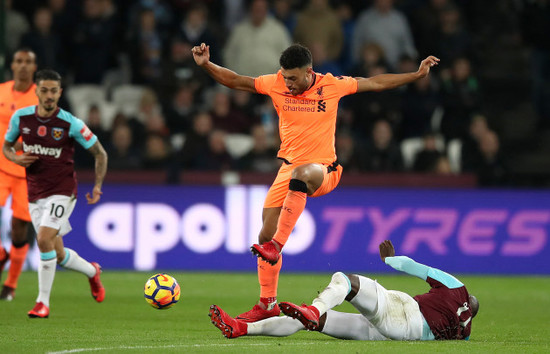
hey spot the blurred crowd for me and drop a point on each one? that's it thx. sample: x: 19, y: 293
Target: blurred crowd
x: 159, y: 111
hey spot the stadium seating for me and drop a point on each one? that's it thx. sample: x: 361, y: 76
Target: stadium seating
x: 411, y: 146
x: 127, y: 98
x: 81, y: 97
x: 454, y: 154
x: 238, y: 145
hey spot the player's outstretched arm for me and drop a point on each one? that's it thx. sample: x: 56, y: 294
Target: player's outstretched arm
x: 100, y: 171
x: 390, y: 81
x: 25, y: 159
x: 401, y: 263
x: 222, y: 75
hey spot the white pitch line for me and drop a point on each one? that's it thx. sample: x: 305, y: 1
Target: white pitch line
x: 81, y: 350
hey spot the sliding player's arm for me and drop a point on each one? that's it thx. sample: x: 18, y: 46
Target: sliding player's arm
x: 409, y: 266
x: 222, y: 75
x: 390, y: 81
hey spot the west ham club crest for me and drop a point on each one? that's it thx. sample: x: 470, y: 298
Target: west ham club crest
x: 57, y: 133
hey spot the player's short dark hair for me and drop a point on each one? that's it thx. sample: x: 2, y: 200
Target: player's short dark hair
x: 295, y: 56
x: 47, y: 74
x: 24, y: 49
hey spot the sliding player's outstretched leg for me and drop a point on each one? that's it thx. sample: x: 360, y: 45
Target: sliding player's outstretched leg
x: 230, y: 327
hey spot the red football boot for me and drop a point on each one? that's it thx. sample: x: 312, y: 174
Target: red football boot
x: 258, y: 313
x: 230, y: 327
x: 268, y: 252
x: 308, y: 315
x: 39, y: 311
x: 98, y: 291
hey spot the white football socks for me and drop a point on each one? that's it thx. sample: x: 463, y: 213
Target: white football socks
x: 334, y: 294
x: 75, y: 262
x: 46, y: 274
x: 275, y: 327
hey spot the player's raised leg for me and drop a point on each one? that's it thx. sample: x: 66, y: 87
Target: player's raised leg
x: 268, y: 275
x: 306, y: 179
x: 69, y: 259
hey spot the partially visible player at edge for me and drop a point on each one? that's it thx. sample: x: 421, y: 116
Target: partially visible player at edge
x: 306, y: 103
x: 48, y: 134
x: 15, y: 94
x: 444, y: 313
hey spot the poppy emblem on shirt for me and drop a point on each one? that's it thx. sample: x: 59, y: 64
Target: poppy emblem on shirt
x: 42, y: 130
x: 57, y: 133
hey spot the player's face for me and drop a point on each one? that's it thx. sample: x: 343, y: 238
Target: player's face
x: 297, y: 80
x: 23, y: 65
x: 48, y: 92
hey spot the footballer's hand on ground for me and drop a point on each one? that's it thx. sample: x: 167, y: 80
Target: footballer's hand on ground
x: 96, y: 195
x: 386, y: 250
x: 25, y: 159
x: 426, y: 64
x: 201, y: 54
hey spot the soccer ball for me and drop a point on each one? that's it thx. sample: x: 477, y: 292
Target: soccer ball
x: 162, y: 291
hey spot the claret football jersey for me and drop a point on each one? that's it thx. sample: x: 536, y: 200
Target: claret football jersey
x: 307, y: 122
x: 52, y: 140
x: 446, y: 310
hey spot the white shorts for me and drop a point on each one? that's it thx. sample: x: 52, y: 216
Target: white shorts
x: 395, y: 315
x: 398, y: 316
x: 53, y: 211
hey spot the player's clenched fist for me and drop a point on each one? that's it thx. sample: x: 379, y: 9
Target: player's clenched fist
x: 201, y: 54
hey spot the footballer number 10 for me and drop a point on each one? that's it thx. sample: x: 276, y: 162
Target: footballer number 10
x: 57, y: 210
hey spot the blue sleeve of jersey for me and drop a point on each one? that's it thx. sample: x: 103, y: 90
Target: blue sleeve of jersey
x: 407, y: 265
x: 444, y: 278
x: 13, y: 129
x: 81, y: 133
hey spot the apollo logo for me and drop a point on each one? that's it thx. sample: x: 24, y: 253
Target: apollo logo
x: 42, y: 150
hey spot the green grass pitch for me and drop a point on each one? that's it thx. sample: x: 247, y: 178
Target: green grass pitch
x: 514, y: 316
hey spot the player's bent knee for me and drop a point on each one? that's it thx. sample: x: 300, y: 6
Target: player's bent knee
x: 301, y: 173
x: 355, y: 285
x: 340, y: 279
